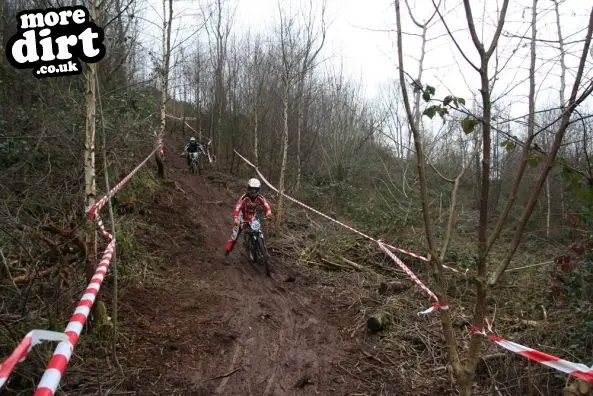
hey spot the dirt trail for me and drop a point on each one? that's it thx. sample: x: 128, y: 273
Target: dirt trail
x: 219, y: 326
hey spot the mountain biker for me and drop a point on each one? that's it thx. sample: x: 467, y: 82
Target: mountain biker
x: 245, y: 209
x: 192, y: 147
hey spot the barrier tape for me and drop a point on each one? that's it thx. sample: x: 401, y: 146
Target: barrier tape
x: 61, y: 356
x: 34, y: 337
x: 69, y: 338
x: 59, y: 361
x: 578, y: 370
x: 407, y: 252
x: 91, y: 212
x: 436, y: 306
x: 101, y: 226
x: 181, y: 119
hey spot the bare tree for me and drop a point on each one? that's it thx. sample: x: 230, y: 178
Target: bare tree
x: 309, y: 55
x: 561, y: 93
x: 259, y: 69
x: 486, y: 278
x: 221, y: 30
x: 164, y: 77
x: 90, y: 172
x: 288, y: 73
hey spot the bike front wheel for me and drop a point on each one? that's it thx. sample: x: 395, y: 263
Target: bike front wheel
x: 262, y: 255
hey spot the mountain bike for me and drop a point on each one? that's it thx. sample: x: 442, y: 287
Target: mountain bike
x: 194, y: 164
x: 256, y: 246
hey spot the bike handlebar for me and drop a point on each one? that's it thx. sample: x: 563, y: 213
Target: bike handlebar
x: 261, y: 219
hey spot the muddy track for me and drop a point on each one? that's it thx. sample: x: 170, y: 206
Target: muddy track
x: 221, y: 326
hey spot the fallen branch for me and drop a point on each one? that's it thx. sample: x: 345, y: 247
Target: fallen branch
x: 178, y: 187
x: 527, y: 322
x: 371, y: 356
x: 352, y: 263
x: 531, y: 266
x: 27, y: 277
x: 332, y: 264
x: 71, y: 235
x: 224, y: 375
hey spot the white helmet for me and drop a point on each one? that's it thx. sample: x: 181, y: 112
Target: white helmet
x: 192, y: 139
x: 253, y: 183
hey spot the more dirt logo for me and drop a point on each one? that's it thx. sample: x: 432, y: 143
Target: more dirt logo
x: 53, y: 41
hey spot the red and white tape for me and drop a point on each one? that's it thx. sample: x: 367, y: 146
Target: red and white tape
x: 61, y: 356
x: 370, y: 238
x: 437, y: 305
x: 59, y: 361
x: 578, y: 370
x: 101, y: 226
x: 91, y: 211
x: 34, y: 337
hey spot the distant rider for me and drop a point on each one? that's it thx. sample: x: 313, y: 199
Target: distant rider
x: 245, y: 209
x: 192, y: 147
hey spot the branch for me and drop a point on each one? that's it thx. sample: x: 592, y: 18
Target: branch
x: 472, y: 29
x: 440, y: 174
x: 572, y: 103
x: 453, y: 38
x: 501, y: 20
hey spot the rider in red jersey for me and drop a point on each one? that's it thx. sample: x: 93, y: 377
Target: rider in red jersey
x: 245, y: 209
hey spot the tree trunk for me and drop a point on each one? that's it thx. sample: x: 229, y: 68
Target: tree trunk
x: 198, y: 97
x: 183, y: 125
x: 2, y: 30
x: 549, y: 207
x: 255, y: 132
x: 90, y: 190
x: 561, y: 97
x: 298, y: 129
x: 99, y: 310
x: 167, y: 23
x: 279, y: 217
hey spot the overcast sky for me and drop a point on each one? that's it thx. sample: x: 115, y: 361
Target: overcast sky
x: 362, y: 38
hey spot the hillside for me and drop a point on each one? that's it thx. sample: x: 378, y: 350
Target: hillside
x: 469, y: 153
x: 210, y: 324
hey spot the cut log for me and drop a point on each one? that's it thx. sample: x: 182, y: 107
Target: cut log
x: 577, y: 388
x: 393, y: 287
x: 378, y: 321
